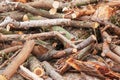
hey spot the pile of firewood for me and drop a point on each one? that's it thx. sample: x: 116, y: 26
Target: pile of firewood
x: 59, y: 40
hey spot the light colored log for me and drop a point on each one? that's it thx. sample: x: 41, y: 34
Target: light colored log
x: 19, y: 59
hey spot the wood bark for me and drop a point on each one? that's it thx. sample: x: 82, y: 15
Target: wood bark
x: 19, y: 15
x: 115, y: 49
x: 86, y: 42
x: 107, y: 37
x: 35, y: 66
x: 107, y: 52
x: 45, y: 4
x: 29, y: 73
x: 83, y: 52
x: 67, y: 34
x: 17, y: 77
x: 56, y: 54
x: 84, y: 67
x: 21, y: 6
x: 114, y: 3
x: 67, y: 43
x: 39, y: 50
x: 19, y: 59
x: 78, y: 56
x: 42, y: 36
x: 93, y: 69
x: 10, y: 59
x: 51, y: 71
x: 48, y: 22
x: 10, y: 49
x: 114, y: 28
x: 83, y: 2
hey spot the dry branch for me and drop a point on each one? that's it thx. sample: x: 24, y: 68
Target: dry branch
x: 43, y: 35
x: 10, y: 6
x: 76, y: 24
x: 86, y: 42
x: 29, y: 73
x: 17, y: 77
x: 10, y: 49
x: 93, y: 68
x: 107, y: 37
x: 115, y: 49
x: 56, y: 54
x: 114, y: 28
x: 67, y: 43
x: 35, y: 66
x: 51, y: 71
x: 107, y: 52
x: 114, y: 3
x: 85, y: 67
x: 48, y: 22
x: 18, y: 60
x: 17, y: 15
x: 10, y: 59
x: 68, y: 35
x: 39, y: 50
x: 78, y: 56
x: 83, y: 52
x: 45, y: 4
x: 48, y: 4
x: 83, y: 2
x: 21, y: 16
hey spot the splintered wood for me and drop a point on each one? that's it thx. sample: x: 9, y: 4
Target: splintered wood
x: 59, y: 39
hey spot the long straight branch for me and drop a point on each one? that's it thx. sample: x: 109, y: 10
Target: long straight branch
x: 10, y: 6
x: 49, y: 22
x: 18, y: 60
x: 10, y: 49
x: 51, y: 71
x: 43, y: 35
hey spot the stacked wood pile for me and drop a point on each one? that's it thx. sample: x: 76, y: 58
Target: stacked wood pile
x: 59, y: 40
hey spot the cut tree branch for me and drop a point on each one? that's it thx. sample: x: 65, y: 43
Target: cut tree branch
x: 51, y: 71
x: 18, y: 60
x: 49, y: 22
x: 107, y: 52
x: 35, y: 66
x: 10, y: 6
x: 29, y: 73
x: 86, y: 42
x: 10, y: 49
x: 56, y: 54
x: 42, y: 36
x: 93, y: 68
x: 115, y: 49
